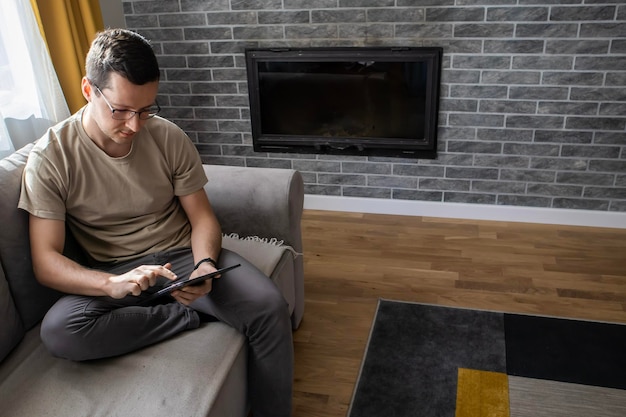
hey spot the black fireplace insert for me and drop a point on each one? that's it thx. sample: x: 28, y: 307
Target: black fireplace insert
x: 354, y: 101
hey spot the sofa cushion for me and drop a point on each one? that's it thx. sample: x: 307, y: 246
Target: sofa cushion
x: 182, y: 376
x: 31, y: 299
x: 271, y: 257
x: 262, y: 253
x: 11, y: 328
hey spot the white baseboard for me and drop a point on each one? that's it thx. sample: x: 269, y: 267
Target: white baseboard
x: 467, y: 211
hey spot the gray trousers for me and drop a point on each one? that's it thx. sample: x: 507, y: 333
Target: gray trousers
x: 83, y: 328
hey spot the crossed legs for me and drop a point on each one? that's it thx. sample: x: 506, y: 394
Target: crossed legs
x: 83, y: 328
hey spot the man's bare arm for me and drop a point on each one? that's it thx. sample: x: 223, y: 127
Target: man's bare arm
x: 206, y: 233
x: 206, y: 241
x: 54, y: 270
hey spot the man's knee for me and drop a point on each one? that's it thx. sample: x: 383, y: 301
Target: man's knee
x: 61, y: 332
x: 273, y: 310
x: 53, y: 336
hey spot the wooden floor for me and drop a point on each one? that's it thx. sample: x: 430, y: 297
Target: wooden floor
x: 352, y: 260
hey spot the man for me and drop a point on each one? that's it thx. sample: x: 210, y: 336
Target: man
x: 129, y: 185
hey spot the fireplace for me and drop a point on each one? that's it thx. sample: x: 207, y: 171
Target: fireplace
x: 350, y: 101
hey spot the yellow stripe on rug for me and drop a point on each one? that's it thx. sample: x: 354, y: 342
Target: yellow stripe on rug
x: 482, y: 394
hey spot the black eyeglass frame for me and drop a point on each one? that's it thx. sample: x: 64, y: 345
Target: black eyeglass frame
x: 129, y: 114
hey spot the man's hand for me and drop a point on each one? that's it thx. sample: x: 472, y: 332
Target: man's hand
x: 137, y: 280
x: 191, y: 293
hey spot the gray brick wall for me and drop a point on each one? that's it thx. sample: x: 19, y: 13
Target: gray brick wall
x: 533, y: 97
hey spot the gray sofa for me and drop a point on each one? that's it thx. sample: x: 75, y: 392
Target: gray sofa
x: 197, y: 373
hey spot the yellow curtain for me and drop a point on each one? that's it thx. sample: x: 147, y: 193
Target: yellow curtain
x: 68, y: 27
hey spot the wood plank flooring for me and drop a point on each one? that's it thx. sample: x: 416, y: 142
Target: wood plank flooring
x: 352, y: 260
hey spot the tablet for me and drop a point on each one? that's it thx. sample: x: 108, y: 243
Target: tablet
x: 181, y: 283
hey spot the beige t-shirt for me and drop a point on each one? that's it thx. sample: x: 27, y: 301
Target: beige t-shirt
x: 117, y: 208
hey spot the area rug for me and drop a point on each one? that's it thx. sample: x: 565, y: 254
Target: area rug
x: 433, y: 361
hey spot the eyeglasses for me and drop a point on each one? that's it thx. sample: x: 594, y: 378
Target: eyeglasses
x: 118, y: 114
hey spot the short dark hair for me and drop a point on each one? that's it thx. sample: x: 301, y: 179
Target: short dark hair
x: 124, y: 52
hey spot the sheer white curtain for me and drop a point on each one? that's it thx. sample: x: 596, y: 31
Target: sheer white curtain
x: 31, y: 99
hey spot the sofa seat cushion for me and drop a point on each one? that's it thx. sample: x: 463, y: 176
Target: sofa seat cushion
x: 183, y: 376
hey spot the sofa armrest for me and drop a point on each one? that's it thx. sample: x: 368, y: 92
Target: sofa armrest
x: 263, y: 202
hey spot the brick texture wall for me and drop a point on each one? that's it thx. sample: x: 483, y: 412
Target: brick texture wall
x: 533, y: 94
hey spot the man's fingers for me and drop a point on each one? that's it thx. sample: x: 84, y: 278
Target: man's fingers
x: 165, y: 271
x: 135, y: 288
x: 145, y: 276
x: 191, y: 293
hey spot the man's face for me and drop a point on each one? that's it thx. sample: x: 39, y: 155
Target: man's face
x: 120, y: 95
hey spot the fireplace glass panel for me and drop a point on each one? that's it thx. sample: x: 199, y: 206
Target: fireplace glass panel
x: 352, y: 100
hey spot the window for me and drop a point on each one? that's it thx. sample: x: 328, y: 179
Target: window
x: 29, y: 88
